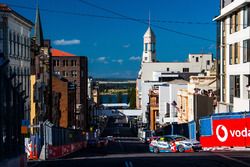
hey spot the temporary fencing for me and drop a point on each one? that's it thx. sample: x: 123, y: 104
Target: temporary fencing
x: 225, y: 130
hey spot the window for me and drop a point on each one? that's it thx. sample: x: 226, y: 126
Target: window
x: 1, y: 42
x: 65, y: 73
x: 236, y: 56
x: 208, y: 62
x: 197, y: 59
x: 167, y: 69
x: 237, y: 86
x: 231, y: 23
x: 234, y: 87
x: 54, y: 62
x: 153, y: 47
x: 10, y: 43
x: 64, y: 63
x: 237, y: 21
x: 223, y: 32
x: 185, y: 70
x: 146, y: 58
x: 246, y: 51
x: 230, y: 54
x: 74, y: 73
x: 14, y: 41
x: 245, y: 17
x: 146, y: 47
x: 167, y: 110
x: 72, y: 62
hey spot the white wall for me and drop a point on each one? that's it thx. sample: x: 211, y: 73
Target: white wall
x: 146, y: 86
x: 168, y: 94
x: 175, y: 67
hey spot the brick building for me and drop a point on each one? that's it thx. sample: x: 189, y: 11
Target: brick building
x: 66, y: 100
x: 75, y: 70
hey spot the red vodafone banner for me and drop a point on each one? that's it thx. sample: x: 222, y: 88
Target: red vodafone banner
x: 228, y: 132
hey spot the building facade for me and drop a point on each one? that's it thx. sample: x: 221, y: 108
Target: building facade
x: 234, y: 44
x: 75, y: 70
x: 197, y: 100
x: 15, y: 33
x: 67, y: 104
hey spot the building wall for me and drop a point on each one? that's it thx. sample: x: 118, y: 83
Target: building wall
x: 32, y: 102
x: 177, y: 67
x: 16, y: 30
x: 80, y: 78
x: 145, y: 98
x: 233, y: 68
x: 62, y: 88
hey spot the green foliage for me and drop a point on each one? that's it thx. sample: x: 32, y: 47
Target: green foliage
x: 132, y: 99
x: 119, y: 97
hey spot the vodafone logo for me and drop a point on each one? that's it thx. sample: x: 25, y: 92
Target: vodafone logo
x: 224, y: 129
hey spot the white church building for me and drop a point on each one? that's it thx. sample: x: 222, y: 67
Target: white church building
x: 153, y: 71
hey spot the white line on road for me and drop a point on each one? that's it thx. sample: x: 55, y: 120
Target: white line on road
x: 128, y: 164
x: 233, y: 159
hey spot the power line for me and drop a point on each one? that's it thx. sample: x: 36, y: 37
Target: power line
x: 143, y: 22
x: 111, y: 17
x: 157, y: 26
x: 124, y: 17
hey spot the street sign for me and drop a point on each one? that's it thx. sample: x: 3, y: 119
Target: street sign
x: 24, y: 130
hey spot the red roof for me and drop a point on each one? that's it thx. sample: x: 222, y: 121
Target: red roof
x: 56, y: 52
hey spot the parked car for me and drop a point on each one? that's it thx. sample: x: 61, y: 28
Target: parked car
x: 92, y: 142
x: 174, y: 143
x: 103, y: 141
x: 110, y: 138
x: 149, y: 139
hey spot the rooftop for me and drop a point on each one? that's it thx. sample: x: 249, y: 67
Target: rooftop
x: 5, y: 8
x: 56, y: 52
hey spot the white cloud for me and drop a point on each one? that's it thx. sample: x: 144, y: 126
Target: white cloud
x: 120, y: 61
x: 126, y: 45
x: 135, y: 58
x: 67, y: 42
x: 95, y: 44
x: 116, y: 74
x: 102, y: 59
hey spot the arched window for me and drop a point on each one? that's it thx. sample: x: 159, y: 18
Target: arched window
x: 146, y: 47
x: 10, y: 42
x: 14, y: 43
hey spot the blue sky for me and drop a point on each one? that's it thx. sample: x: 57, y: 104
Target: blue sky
x: 113, y: 46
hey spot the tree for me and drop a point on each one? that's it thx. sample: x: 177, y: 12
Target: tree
x: 119, y: 97
x: 132, y: 100
x: 129, y: 94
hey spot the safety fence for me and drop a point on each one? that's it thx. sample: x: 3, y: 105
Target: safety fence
x: 225, y: 130
x: 60, y: 141
x: 186, y: 129
x: 53, y: 142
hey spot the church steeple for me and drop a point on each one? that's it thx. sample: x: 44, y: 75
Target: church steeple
x: 38, y: 31
x: 149, y: 51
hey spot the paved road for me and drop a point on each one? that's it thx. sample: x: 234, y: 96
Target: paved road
x: 130, y: 152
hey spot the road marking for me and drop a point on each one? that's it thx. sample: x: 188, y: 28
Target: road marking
x: 121, y: 146
x: 232, y: 159
x: 128, y: 164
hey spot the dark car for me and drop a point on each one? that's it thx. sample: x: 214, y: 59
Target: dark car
x: 92, y: 142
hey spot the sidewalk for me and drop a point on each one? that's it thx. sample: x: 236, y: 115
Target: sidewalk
x: 219, y: 149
